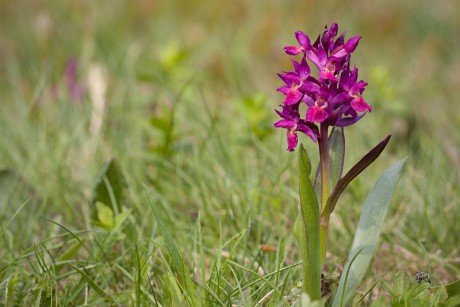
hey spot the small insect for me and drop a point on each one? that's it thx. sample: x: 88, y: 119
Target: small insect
x: 422, y: 277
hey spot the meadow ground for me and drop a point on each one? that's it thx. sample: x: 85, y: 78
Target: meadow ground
x: 179, y: 96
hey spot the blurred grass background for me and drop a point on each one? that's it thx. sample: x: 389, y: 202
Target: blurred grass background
x: 188, y: 92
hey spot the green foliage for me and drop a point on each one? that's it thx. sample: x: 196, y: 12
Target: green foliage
x: 308, y: 234
x: 336, y: 159
x: 258, y: 117
x: 404, y: 291
x: 367, y: 235
x: 189, y: 113
x: 109, y: 190
x: 453, y: 289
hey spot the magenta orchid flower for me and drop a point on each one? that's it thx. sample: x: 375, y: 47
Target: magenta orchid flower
x: 297, y: 82
x: 333, y: 98
x: 292, y: 122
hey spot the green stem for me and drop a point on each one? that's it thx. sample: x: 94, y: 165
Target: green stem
x: 325, y: 169
x: 325, y: 188
x: 324, y: 226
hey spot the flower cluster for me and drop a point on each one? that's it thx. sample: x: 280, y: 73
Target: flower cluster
x: 332, y: 99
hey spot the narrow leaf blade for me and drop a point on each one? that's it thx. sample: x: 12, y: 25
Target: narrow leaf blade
x: 310, y: 221
x: 164, y: 225
x: 368, y: 232
x: 163, y: 222
x: 362, y: 164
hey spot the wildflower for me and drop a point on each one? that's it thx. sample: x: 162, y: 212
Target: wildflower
x: 333, y: 97
x: 297, y: 82
x: 292, y: 122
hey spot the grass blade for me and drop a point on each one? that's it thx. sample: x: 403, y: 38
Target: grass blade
x: 163, y: 222
x: 92, y: 283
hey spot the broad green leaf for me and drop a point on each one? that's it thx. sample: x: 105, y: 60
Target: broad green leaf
x: 109, y: 188
x: 453, y: 289
x: 366, y: 237
x: 105, y: 215
x: 309, y: 208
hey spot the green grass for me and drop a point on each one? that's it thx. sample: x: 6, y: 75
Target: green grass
x: 188, y: 119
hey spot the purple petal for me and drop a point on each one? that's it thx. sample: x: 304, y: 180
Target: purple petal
x: 334, y: 116
x: 343, y: 96
x: 295, y: 64
x: 292, y: 140
x: 333, y: 30
x: 340, y: 41
x: 284, y: 124
x: 322, y: 57
x: 303, y: 69
x: 286, y: 79
x: 317, y: 114
x: 357, y: 88
x: 308, y: 100
x: 360, y: 105
x: 310, y: 87
x: 352, y: 43
x: 325, y: 39
x: 282, y: 115
x: 283, y: 89
x: 303, y: 40
x: 290, y: 77
x: 308, y: 131
x: 328, y: 75
x: 293, y: 97
x: 293, y: 50
x: 354, y: 75
x: 316, y: 43
x: 347, y: 121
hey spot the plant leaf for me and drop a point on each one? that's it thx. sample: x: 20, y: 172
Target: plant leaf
x: 336, y: 159
x: 105, y: 216
x: 92, y: 283
x: 453, y: 289
x: 309, y: 208
x: 109, y: 188
x: 336, y: 154
x: 342, y: 184
x: 369, y: 228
